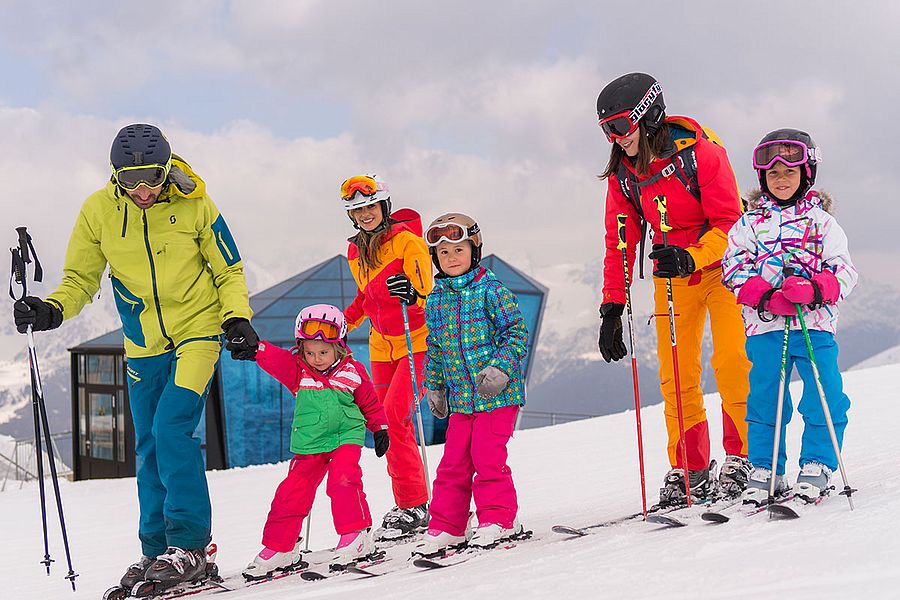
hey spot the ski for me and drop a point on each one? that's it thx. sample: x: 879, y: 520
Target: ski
x: 376, y: 558
x: 723, y: 516
x: 677, y: 517
x: 795, y: 507
x: 467, y: 553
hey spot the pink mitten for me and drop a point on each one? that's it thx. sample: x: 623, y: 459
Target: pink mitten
x: 779, y: 305
x: 828, y: 285
x: 752, y: 291
x: 798, y: 290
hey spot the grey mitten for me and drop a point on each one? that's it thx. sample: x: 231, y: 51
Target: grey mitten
x: 490, y: 381
x: 437, y: 402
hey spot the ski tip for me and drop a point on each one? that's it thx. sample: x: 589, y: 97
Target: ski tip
x: 665, y: 520
x: 566, y: 530
x: 312, y: 576
x: 427, y: 563
x: 714, y: 517
x: 780, y: 511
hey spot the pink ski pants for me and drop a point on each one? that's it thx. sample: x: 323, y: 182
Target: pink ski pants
x: 474, y: 466
x: 294, y: 496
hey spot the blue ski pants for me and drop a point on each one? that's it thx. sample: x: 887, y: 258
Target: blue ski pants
x: 167, y: 393
x: 764, y: 352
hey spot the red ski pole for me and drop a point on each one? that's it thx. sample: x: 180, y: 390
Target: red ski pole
x: 665, y: 228
x: 622, y: 218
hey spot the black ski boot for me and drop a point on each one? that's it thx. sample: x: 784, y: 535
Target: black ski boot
x: 673, y: 494
x: 134, y: 575
x: 733, y: 476
x: 402, y: 523
x: 178, y: 566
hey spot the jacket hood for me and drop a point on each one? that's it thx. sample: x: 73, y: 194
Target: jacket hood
x: 756, y: 198
x: 405, y: 219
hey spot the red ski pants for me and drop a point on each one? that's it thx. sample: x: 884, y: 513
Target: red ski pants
x: 393, y: 386
x: 694, y: 297
x: 294, y: 496
x: 474, y: 466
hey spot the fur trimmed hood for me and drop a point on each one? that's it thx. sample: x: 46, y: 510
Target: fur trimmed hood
x: 756, y: 198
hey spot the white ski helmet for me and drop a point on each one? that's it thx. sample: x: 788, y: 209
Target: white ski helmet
x: 363, y: 190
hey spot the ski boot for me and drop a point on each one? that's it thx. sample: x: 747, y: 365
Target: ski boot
x: 757, y: 491
x: 268, y: 562
x: 400, y: 523
x: 673, y: 494
x: 733, y: 476
x: 132, y: 577
x: 813, y: 482
x: 178, y: 569
x: 491, y: 535
x: 353, y: 548
x: 437, y: 543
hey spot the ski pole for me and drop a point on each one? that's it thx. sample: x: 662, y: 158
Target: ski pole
x: 848, y: 491
x: 665, y: 228
x: 20, y: 260
x: 415, y: 390
x: 622, y: 218
x: 779, y: 411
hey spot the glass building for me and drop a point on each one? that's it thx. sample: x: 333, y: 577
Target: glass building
x: 248, y: 413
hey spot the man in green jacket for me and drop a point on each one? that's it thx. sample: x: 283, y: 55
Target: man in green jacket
x: 178, y: 282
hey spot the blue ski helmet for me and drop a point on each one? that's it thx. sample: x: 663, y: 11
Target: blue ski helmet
x: 137, y: 145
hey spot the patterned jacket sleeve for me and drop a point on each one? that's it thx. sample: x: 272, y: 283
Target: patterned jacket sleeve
x: 836, y: 256
x: 740, y: 255
x: 434, y: 359
x: 280, y: 364
x: 365, y: 398
x: 511, y: 333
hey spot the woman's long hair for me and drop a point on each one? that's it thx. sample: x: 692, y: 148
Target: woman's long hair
x: 368, y: 243
x: 649, y: 148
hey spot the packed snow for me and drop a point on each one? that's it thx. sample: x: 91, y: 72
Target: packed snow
x: 577, y: 473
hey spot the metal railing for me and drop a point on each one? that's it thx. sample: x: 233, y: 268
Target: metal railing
x: 529, y: 419
x: 20, y: 464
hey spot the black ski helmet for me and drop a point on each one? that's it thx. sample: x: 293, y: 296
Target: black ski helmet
x: 636, y: 92
x: 137, y: 145
x: 807, y: 175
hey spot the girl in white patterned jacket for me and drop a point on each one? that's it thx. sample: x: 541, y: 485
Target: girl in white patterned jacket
x: 787, y: 250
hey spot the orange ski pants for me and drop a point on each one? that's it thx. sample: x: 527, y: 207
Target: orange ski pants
x: 694, y: 297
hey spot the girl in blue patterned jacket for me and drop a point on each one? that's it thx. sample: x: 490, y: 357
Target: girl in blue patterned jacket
x: 477, y: 342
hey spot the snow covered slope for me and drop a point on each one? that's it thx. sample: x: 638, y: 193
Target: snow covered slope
x: 575, y: 473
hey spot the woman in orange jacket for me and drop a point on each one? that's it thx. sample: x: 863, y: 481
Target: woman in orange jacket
x: 654, y: 155
x: 391, y: 264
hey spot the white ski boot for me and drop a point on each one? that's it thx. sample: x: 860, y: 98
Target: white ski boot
x: 492, y: 534
x: 437, y: 542
x: 268, y: 562
x: 757, y: 491
x: 353, y: 547
x: 812, y: 482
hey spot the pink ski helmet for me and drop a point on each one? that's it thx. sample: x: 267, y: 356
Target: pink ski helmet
x: 321, y: 322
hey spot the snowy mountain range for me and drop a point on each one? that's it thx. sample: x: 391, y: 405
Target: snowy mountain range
x: 568, y: 376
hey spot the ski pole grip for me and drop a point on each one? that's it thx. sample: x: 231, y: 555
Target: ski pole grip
x: 23, y: 243
x: 621, y: 218
x: 663, y: 213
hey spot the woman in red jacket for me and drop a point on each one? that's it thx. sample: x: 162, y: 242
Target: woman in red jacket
x: 391, y: 264
x: 654, y: 155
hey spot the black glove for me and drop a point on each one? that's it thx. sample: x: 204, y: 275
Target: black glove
x: 399, y: 286
x: 611, y: 345
x: 382, y: 441
x: 42, y: 316
x: 240, y: 338
x: 671, y: 261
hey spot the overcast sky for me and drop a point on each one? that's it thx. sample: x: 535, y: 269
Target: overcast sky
x: 481, y: 107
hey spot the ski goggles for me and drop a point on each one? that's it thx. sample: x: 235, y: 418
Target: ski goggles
x: 618, y: 126
x: 789, y: 152
x: 363, y: 184
x: 328, y: 332
x: 130, y: 178
x: 449, y: 232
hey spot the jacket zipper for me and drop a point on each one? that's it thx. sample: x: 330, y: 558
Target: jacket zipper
x: 125, y: 220
x: 162, y: 325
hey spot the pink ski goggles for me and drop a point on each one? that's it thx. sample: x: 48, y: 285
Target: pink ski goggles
x: 789, y: 152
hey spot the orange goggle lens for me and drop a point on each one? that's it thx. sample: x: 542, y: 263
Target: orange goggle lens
x: 448, y: 232
x: 363, y: 184
x: 318, y: 329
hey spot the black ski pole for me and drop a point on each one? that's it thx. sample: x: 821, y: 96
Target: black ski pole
x: 20, y: 260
